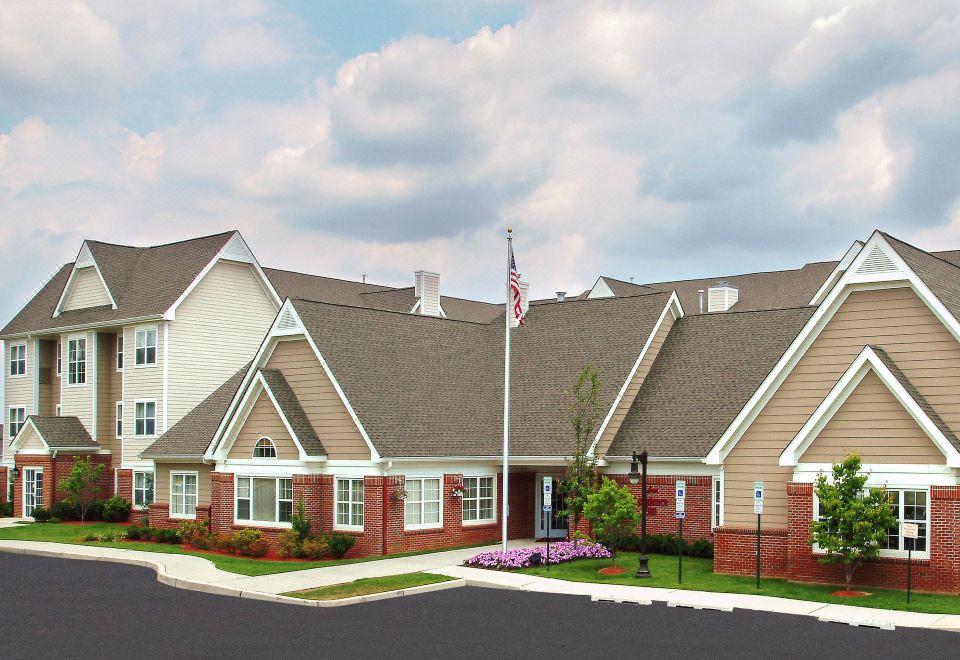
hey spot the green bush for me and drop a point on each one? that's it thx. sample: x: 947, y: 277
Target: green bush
x: 65, y: 510
x: 242, y: 539
x: 288, y: 543
x: 301, y: 524
x: 95, y: 510
x: 6, y: 509
x: 116, y: 509
x: 146, y: 533
x: 258, y: 548
x: 313, y: 549
x: 166, y: 536
x: 144, y: 521
x: 666, y: 544
x: 133, y: 533
x: 41, y: 514
x: 340, y: 544
x: 196, y: 533
x: 89, y: 538
x: 54, y: 519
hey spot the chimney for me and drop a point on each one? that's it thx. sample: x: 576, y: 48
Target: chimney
x: 427, y: 290
x: 721, y: 297
x: 701, y: 300
x: 561, y: 296
x: 524, y: 302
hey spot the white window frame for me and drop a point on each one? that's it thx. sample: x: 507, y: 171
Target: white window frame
x: 196, y: 495
x: 120, y: 356
x: 39, y: 470
x: 917, y: 554
x: 716, y: 502
x: 493, y: 497
x: 276, y: 504
x: 352, y: 504
x: 423, y: 525
x: 16, y: 347
x: 71, y: 340
x: 143, y: 331
x: 257, y: 446
x: 144, y: 402
x: 21, y: 420
x: 152, y: 490
x: 59, y: 357
x: 118, y: 426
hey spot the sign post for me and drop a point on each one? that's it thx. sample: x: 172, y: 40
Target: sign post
x: 910, y: 531
x: 548, y: 511
x: 680, y: 515
x: 758, y: 509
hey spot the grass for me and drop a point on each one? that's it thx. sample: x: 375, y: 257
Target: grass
x: 698, y: 575
x: 73, y: 534
x: 367, y: 586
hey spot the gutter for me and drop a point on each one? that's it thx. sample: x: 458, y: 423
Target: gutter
x: 82, y: 326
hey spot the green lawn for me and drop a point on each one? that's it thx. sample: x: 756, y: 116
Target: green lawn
x: 73, y: 534
x: 698, y: 575
x: 369, y: 586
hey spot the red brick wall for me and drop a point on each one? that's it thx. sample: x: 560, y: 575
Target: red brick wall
x: 221, y: 502
x: 55, y: 470
x: 3, y: 484
x: 160, y: 516
x: 661, y: 504
x: 735, y: 551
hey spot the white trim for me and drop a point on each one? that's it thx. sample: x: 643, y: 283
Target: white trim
x: 86, y: 340
x: 600, y: 289
x: 156, y: 345
x: 272, y: 524
x: 136, y: 402
x: 480, y: 521
x: 866, y: 361
x: 902, y: 276
x: 118, y: 419
x: 676, y: 309
x: 838, y: 270
x: 26, y: 418
x: 119, y: 356
x: 716, y: 501
x: 882, y: 474
x: 166, y: 372
x: 10, y: 346
x: 283, y: 418
x: 36, y: 376
x: 422, y: 525
x: 256, y: 445
x: 338, y: 527
x: 133, y: 489
x: 94, y: 388
x: 84, y: 260
x: 32, y: 468
x: 183, y: 516
x: 84, y: 327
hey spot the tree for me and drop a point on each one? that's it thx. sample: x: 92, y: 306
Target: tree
x: 613, y: 513
x: 852, y: 523
x: 581, y: 480
x: 83, y: 484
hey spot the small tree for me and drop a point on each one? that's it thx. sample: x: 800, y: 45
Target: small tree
x: 613, y: 513
x: 581, y: 479
x: 83, y: 484
x: 852, y: 523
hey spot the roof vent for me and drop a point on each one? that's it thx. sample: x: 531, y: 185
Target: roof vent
x: 561, y: 296
x: 721, y: 297
x: 287, y: 321
x: 877, y: 261
x: 427, y: 290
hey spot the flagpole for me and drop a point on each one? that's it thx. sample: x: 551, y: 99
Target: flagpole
x: 506, y: 394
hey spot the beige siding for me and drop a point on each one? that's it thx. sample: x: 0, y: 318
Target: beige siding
x: 19, y: 389
x: 48, y: 379
x: 162, y: 476
x: 217, y: 330
x: 87, y: 290
x: 895, y: 319
x: 78, y: 399
x: 329, y: 417
x: 140, y: 383
x: 873, y: 424
x: 55, y: 378
x: 31, y: 441
x: 106, y: 377
x: 634, y: 388
x: 264, y: 421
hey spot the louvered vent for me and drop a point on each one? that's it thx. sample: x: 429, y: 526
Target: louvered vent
x: 288, y: 321
x: 722, y: 297
x: 877, y: 261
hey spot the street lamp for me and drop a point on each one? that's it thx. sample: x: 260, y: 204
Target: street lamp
x: 638, y: 473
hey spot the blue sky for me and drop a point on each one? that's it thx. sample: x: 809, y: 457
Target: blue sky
x: 654, y: 140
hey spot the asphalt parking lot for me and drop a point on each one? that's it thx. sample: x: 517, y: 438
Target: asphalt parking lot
x: 55, y: 608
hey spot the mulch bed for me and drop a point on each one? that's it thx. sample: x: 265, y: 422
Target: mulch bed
x: 613, y: 570
x: 849, y: 594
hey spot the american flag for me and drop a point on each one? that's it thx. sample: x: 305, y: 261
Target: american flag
x: 515, y: 289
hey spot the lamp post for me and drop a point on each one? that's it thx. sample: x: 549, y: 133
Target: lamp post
x: 639, y: 473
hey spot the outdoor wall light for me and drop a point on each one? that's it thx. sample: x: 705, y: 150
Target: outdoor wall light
x: 643, y: 570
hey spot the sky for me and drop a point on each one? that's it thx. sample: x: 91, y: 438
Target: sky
x: 652, y: 140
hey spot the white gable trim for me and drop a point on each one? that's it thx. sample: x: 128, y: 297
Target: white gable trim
x: 835, y: 274
x: 673, y: 307
x: 84, y: 260
x: 866, y: 361
x: 18, y: 440
x: 900, y: 276
x: 236, y: 250
x: 600, y: 289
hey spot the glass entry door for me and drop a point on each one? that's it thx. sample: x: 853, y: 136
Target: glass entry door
x: 32, y: 490
x: 558, y: 523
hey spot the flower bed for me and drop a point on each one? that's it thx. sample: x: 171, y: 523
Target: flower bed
x: 520, y: 557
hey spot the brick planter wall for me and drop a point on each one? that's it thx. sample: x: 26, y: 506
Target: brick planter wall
x: 735, y: 551
x: 160, y: 516
x: 661, y: 504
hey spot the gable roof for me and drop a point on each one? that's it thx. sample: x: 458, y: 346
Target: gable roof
x: 192, y: 434
x: 61, y: 432
x: 705, y: 372
x: 144, y: 281
x: 941, y: 275
x: 291, y: 409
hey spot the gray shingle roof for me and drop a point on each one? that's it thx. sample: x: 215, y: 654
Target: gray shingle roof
x: 144, y: 282
x: 707, y: 369
x: 192, y: 434
x: 293, y: 411
x: 940, y: 274
x: 63, y: 432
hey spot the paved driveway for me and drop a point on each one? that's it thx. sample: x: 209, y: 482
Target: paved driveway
x: 55, y: 608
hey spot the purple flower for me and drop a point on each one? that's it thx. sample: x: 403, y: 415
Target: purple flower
x: 520, y: 557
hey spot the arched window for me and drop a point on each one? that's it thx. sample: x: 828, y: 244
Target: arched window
x: 265, y: 448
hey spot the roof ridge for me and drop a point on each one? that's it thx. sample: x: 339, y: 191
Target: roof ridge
x: 391, y: 311
x: 160, y: 245
x: 732, y: 311
x: 388, y: 287
x: 757, y: 272
x: 919, y: 249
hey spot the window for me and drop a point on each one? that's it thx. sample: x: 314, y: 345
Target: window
x: 349, y: 494
x: 18, y: 359
x: 183, y: 494
x: 265, y: 448
x: 77, y: 361
x: 18, y: 416
x: 145, y: 418
x: 907, y: 506
x: 146, y: 353
x: 264, y: 500
x: 423, y: 504
x: 119, y: 419
x: 716, y: 519
x: 478, y: 504
x: 120, y: 352
x: 59, y: 357
x: 143, y: 489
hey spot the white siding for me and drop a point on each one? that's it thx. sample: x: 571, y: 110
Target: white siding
x: 217, y: 330
x: 77, y: 400
x: 140, y: 383
x: 18, y: 389
x: 87, y: 290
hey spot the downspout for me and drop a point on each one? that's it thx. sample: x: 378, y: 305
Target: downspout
x: 53, y: 474
x: 386, y: 509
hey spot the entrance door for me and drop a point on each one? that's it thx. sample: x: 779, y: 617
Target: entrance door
x: 32, y: 490
x: 558, y: 523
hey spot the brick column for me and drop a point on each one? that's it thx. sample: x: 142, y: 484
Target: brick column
x: 312, y: 489
x: 221, y: 502
x: 3, y: 484
x: 945, y: 537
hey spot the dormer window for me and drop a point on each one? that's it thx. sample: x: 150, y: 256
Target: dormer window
x: 265, y: 448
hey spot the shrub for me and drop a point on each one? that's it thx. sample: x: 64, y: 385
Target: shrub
x: 6, y: 509
x: 146, y: 533
x: 144, y: 521
x: 196, y: 533
x: 288, y: 542
x: 94, y: 510
x: 41, y: 514
x: 258, y: 548
x: 242, y: 539
x: 340, y: 544
x: 83, y: 485
x: 166, y: 536
x: 313, y: 549
x: 659, y: 544
x: 300, y: 523
x: 133, y: 533
x: 116, y: 509
x: 65, y: 510
x: 612, y: 512
x: 89, y: 538
x: 54, y: 519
